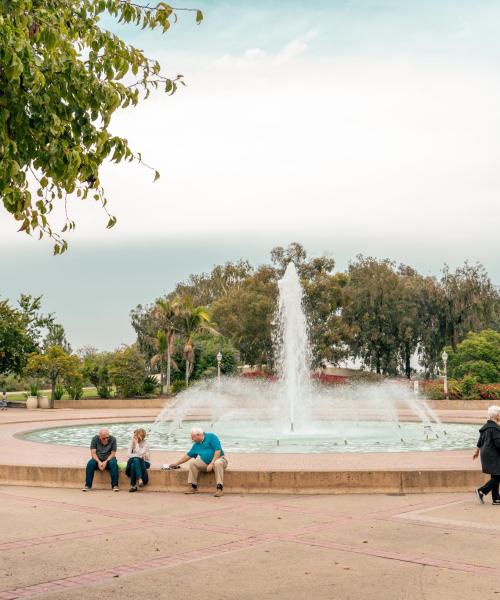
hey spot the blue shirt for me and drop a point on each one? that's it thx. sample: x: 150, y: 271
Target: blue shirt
x: 206, y: 448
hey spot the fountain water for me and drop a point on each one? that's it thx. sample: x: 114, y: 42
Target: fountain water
x: 292, y: 349
x: 295, y: 414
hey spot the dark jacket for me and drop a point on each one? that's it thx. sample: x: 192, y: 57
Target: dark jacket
x: 489, y: 444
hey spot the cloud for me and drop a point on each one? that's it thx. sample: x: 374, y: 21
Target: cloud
x: 294, y: 48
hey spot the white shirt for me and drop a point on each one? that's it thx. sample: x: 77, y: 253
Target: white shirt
x: 138, y: 450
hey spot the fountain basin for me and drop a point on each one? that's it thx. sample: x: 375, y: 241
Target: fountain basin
x: 261, y: 437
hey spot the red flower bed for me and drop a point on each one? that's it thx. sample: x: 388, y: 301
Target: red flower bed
x: 327, y: 378
x: 259, y: 375
x: 489, y: 391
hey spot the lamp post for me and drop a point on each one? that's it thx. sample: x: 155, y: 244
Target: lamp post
x: 219, y: 360
x: 444, y: 356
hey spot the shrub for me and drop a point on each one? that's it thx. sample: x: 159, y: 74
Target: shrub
x: 468, y: 388
x: 477, y: 355
x: 481, y: 370
x: 34, y: 389
x: 127, y: 371
x: 104, y: 391
x: 150, y: 385
x: 74, y: 387
x: 489, y: 391
x: 58, y: 392
x: 177, y: 386
x: 96, y: 370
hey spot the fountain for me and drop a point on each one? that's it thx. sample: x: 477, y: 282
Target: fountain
x: 292, y: 349
x: 293, y: 414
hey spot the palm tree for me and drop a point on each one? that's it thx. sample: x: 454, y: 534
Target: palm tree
x: 192, y: 320
x: 166, y: 313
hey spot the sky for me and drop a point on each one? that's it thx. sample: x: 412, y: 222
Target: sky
x: 350, y: 126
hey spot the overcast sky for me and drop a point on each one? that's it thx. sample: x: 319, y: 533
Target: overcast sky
x: 363, y: 126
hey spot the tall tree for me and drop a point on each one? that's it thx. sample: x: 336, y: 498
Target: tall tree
x: 21, y: 330
x: 55, y: 365
x: 471, y: 301
x: 373, y: 310
x: 205, y: 288
x: 62, y: 78
x: 190, y: 321
x: 245, y: 316
x: 166, y: 314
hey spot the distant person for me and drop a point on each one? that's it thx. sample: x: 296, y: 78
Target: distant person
x: 488, y: 446
x: 103, y: 451
x: 138, y: 460
x: 206, y: 454
x: 3, y: 401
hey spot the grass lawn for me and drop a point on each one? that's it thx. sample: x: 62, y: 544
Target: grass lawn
x: 88, y: 392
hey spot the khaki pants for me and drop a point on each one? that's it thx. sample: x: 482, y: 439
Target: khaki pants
x: 196, y: 465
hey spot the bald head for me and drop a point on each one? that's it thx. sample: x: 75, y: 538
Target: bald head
x: 104, y: 434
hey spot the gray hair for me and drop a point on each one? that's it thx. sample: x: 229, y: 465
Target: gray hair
x: 197, y: 431
x: 103, y: 430
x: 493, y: 412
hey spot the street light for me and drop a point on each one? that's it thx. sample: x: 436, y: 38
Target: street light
x: 444, y: 356
x: 219, y: 360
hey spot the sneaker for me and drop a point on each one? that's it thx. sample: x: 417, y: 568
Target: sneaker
x: 86, y: 489
x: 191, y: 490
x: 219, y: 492
x: 133, y: 489
x: 479, y: 496
x: 141, y: 483
x: 496, y: 502
x: 116, y: 488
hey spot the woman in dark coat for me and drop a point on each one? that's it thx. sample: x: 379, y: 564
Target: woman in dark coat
x: 488, y: 446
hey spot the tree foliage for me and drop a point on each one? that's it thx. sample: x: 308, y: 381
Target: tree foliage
x: 62, y: 77
x: 21, y: 330
x: 477, y: 356
x: 128, y: 371
x: 376, y: 311
x: 56, y: 366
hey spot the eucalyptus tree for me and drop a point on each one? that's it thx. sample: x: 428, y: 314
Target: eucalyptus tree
x: 62, y: 77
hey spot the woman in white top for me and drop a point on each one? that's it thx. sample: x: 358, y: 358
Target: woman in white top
x: 138, y: 460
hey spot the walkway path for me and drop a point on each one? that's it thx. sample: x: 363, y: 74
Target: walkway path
x: 61, y: 544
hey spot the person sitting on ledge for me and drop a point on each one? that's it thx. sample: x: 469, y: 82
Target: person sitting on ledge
x: 103, y: 451
x: 206, y: 454
x: 138, y: 460
x: 489, y: 447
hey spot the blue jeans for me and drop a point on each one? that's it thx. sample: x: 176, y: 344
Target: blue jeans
x: 111, y: 466
x: 137, y: 468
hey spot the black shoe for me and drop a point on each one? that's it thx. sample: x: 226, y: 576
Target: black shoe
x: 496, y: 502
x: 479, y: 496
x: 133, y: 489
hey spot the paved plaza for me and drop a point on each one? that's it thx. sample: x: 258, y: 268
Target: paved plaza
x: 60, y: 543
x: 63, y: 544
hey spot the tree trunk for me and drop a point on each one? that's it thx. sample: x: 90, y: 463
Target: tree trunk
x: 187, y: 372
x: 407, y: 362
x: 168, y: 371
x: 161, y: 377
x: 52, y: 393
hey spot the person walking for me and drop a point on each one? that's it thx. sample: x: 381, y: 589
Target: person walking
x: 488, y: 446
x: 206, y: 454
x: 138, y: 460
x: 103, y: 452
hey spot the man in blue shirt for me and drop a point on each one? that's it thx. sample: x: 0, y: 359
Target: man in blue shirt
x: 206, y: 454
